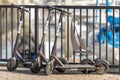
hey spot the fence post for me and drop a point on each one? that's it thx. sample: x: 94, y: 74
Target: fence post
x: 36, y: 31
x: 0, y: 33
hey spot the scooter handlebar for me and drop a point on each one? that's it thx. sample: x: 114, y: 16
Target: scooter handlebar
x: 52, y: 7
x: 21, y: 8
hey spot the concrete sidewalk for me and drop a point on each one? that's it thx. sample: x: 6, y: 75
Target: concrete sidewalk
x: 25, y: 74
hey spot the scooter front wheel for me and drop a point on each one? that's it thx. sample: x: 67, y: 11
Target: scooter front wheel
x: 35, y: 67
x: 87, y: 61
x: 49, y: 68
x: 102, y: 67
x: 61, y: 70
x: 12, y: 65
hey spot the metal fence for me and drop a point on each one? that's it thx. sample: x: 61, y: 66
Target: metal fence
x: 97, y: 25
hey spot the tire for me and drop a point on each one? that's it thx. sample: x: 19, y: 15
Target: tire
x: 61, y: 70
x: 49, y: 68
x: 35, y: 67
x: 11, y: 65
x: 104, y: 67
x: 87, y: 61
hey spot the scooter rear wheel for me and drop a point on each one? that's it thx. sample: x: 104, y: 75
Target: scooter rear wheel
x: 49, y: 68
x: 87, y: 61
x: 35, y: 67
x: 102, y: 67
x: 61, y: 70
x: 12, y: 65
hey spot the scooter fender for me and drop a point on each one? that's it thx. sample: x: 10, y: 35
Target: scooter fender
x: 102, y: 61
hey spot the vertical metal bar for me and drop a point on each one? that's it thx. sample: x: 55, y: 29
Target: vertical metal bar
x: 1, y: 33
x: 106, y: 34
x: 68, y: 54
x: 55, y: 21
x: 113, y: 34
x: 6, y: 34
x: 87, y: 30
x: 30, y: 34
x: 3, y: 21
x: 17, y: 17
x: 55, y: 28
x: 74, y: 31
x: 119, y: 41
x: 36, y: 30
x: 100, y: 35
x: 49, y: 38
x: 12, y: 32
x: 18, y: 20
x: 80, y: 29
x: 24, y: 55
x: 93, y: 34
x: 43, y: 27
x: 62, y: 37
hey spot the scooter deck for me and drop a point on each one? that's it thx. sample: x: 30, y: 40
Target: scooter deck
x: 75, y: 66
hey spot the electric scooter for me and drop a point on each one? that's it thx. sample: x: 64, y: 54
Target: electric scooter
x: 86, y: 65
x: 12, y: 64
x: 40, y: 58
x: 37, y: 63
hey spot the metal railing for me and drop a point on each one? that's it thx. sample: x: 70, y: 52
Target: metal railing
x: 97, y: 25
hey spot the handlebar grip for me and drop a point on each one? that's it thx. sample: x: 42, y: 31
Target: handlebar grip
x: 52, y: 7
x: 21, y: 7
